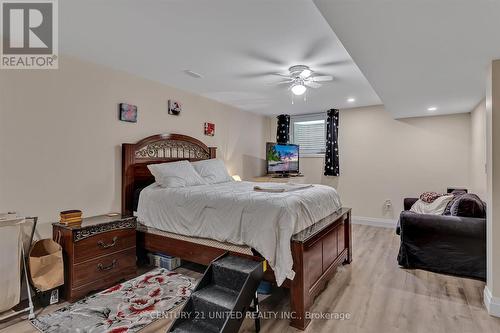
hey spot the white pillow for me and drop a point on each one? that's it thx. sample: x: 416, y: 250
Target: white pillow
x: 436, y: 207
x: 213, y: 171
x: 176, y: 174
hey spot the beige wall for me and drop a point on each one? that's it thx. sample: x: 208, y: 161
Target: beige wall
x: 478, y: 151
x: 386, y: 159
x: 493, y: 183
x: 60, y: 137
x: 60, y: 143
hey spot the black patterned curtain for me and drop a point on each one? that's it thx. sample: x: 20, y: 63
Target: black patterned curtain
x: 332, y: 143
x: 283, y: 130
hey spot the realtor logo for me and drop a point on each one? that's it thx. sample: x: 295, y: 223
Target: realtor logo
x: 29, y: 30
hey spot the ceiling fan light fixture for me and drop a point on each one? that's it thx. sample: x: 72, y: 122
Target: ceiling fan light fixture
x: 298, y: 89
x: 305, y: 73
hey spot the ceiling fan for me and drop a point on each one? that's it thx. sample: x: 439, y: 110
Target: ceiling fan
x: 301, y: 77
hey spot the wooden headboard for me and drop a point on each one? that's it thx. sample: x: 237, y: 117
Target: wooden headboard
x: 156, y: 149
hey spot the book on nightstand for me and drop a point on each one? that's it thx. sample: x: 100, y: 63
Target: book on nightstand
x: 73, y: 216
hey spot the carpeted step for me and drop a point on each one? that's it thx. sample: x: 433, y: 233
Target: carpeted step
x: 232, y: 271
x: 214, y: 304
x: 221, y: 296
x: 195, y: 326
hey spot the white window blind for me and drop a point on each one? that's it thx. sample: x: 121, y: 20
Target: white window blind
x: 308, y: 131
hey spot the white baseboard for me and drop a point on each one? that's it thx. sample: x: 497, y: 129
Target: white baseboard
x: 374, y: 221
x: 492, y: 303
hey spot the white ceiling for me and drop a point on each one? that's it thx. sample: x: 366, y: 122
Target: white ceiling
x: 234, y: 44
x: 420, y: 53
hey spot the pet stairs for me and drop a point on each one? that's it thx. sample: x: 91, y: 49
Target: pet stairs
x: 223, y: 296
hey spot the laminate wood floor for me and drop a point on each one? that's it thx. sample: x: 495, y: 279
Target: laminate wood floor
x: 376, y: 294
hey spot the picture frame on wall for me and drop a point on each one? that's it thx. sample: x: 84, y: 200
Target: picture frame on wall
x: 210, y: 129
x: 127, y: 112
x: 174, y: 107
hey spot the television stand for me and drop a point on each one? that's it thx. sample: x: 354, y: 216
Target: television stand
x: 280, y: 175
x: 286, y: 175
x: 290, y: 178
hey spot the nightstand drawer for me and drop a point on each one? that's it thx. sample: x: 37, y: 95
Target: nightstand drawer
x: 111, y: 265
x: 103, y: 244
x: 103, y: 283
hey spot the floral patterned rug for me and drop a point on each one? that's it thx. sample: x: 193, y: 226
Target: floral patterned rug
x: 126, y: 307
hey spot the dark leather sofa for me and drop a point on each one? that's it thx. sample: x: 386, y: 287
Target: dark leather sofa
x: 445, y: 244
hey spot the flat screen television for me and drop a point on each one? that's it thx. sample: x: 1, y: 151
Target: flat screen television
x: 282, y: 158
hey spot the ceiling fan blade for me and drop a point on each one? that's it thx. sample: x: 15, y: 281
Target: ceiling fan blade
x: 253, y: 75
x: 282, y: 75
x: 256, y: 55
x: 335, y: 63
x: 322, y: 78
x: 279, y: 83
x: 317, y: 47
x: 312, y: 84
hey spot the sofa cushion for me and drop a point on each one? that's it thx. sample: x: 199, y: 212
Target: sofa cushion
x: 468, y: 205
x: 456, y: 194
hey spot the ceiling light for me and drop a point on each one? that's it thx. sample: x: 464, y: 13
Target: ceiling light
x: 298, y: 89
x: 432, y: 108
x: 351, y: 100
x: 193, y: 74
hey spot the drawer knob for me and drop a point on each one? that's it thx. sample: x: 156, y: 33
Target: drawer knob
x: 108, y: 267
x: 103, y: 245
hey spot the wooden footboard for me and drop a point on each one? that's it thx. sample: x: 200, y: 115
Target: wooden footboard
x: 317, y: 252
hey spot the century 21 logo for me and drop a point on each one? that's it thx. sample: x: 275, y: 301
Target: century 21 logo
x: 29, y: 28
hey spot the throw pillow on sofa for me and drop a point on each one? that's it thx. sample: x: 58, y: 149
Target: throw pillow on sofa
x: 436, y: 207
x: 468, y: 205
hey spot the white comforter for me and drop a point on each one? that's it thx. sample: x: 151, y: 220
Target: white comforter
x: 233, y: 212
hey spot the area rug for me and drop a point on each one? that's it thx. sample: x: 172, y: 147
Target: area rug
x: 126, y: 307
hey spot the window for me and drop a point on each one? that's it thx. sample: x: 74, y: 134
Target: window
x: 308, y: 131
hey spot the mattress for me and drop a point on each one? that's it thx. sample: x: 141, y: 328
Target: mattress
x: 234, y: 213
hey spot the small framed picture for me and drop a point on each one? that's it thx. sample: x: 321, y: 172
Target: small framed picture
x: 209, y: 129
x: 174, y: 107
x: 128, y: 112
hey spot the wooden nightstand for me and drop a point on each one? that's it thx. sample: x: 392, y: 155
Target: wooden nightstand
x: 98, y: 253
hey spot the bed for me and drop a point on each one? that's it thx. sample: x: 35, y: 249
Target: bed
x: 310, y: 250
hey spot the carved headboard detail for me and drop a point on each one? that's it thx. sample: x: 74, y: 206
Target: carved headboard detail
x: 171, y: 149
x: 156, y: 149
